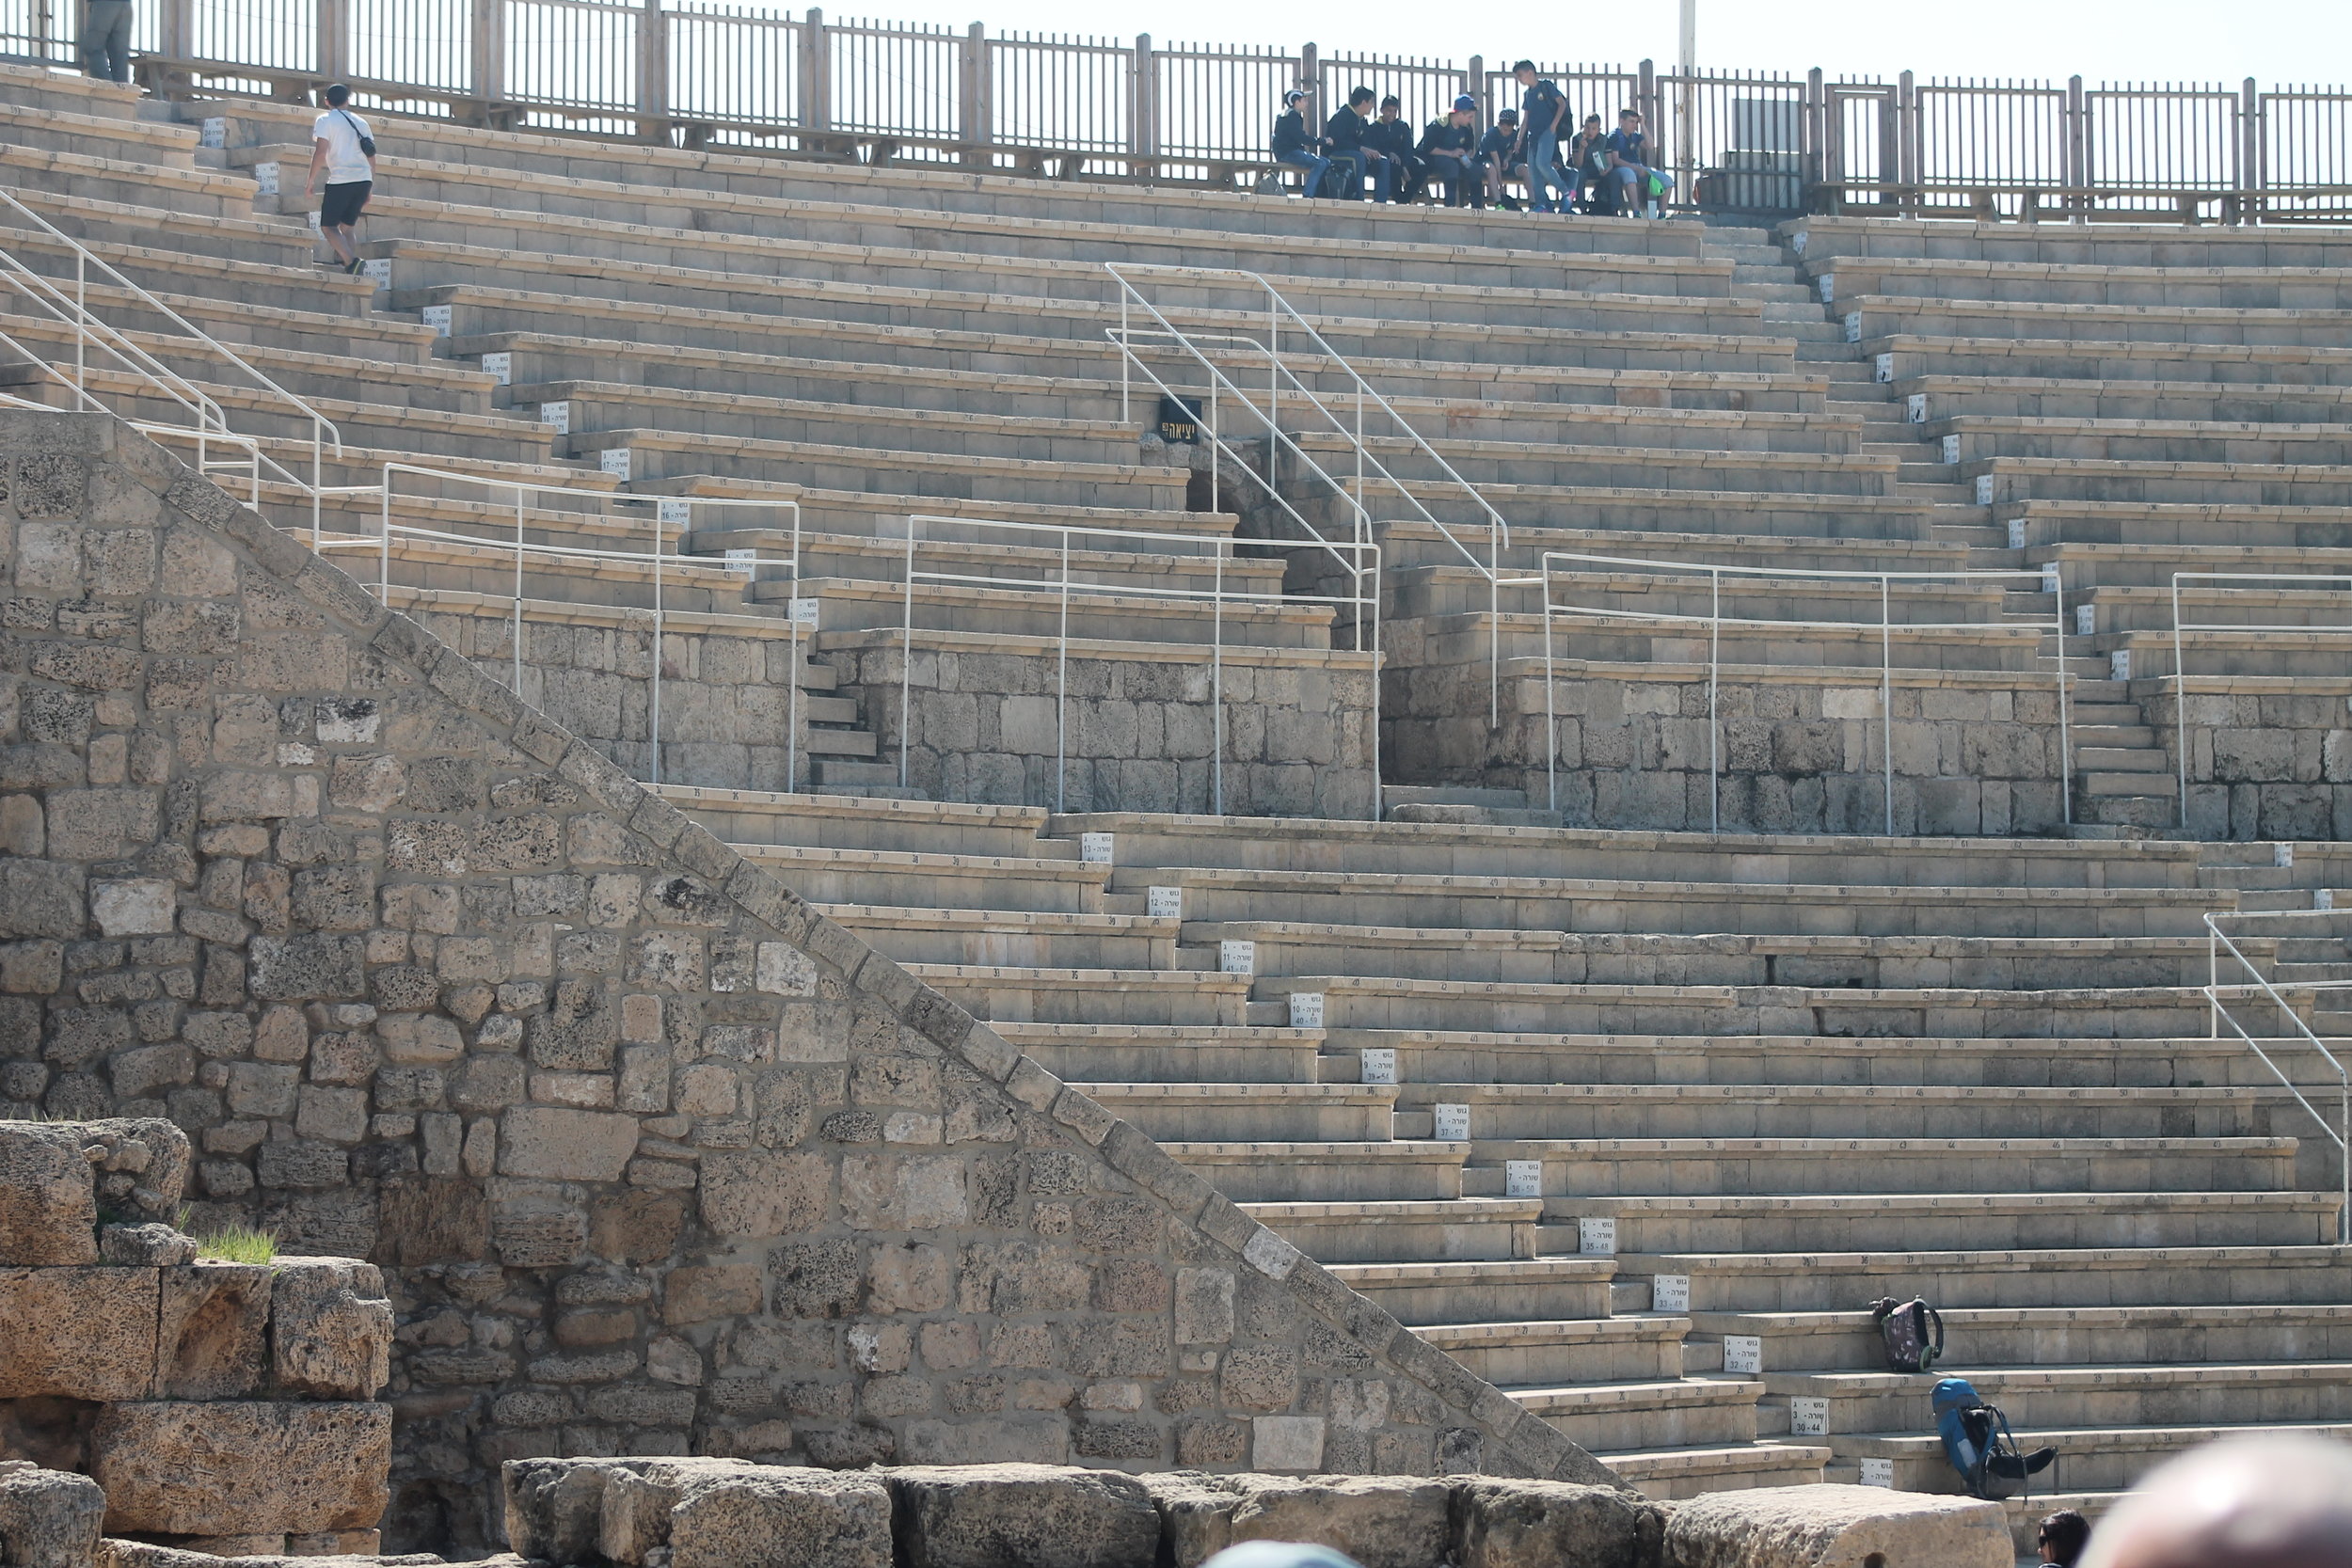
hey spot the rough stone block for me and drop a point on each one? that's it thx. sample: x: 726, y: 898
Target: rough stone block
x: 78, y: 1333
x: 565, y: 1146
x: 48, y: 1519
x: 48, y: 1204
x: 554, y: 1507
x: 237, y: 1466
x: 212, y: 1331
x: 155, y: 1154
x: 1023, y: 1516
x: 782, y: 1518
x: 144, y: 1246
x: 330, y: 1328
x: 1380, y: 1521
x: 1836, y: 1527
x: 1543, y: 1524
x: 633, y: 1512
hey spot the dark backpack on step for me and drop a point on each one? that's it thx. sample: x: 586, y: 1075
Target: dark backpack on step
x: 1980, y: 1447
x: 1914, y: 1332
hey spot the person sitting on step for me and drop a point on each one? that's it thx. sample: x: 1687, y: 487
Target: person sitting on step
x: 1395, y: 138
x: 1353, y: 157
x: 1295, y: 146
x: 1499, y: 158
x: 1449, y: 155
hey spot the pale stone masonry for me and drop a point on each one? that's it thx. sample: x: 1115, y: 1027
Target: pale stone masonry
x: 658, y: 1160
x: 226, y: 1407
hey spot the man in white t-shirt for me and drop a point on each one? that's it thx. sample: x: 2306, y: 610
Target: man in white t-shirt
x: 343, y: 150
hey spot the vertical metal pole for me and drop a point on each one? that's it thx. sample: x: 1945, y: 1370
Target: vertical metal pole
x: 1217, y: 445
x: 658, y: 629
x: 1062, y: 687
x: 81, y: 317
x: 1714, y: 722
x: 1216, y: 694
x: 2179, y: 699
x: 1551, y: 717
x: 792, y: 687
x: 384, y: 543
x: 1126, y: 353
x: 906, y: 661
x: 518, y: 595
x: 2066, y: 742
x: 1887, y: 697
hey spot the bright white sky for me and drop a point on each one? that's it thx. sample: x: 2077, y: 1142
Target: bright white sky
x: 2117, y: 40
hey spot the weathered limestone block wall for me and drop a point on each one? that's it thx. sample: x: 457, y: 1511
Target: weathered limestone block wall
x: 725, y: 708
x: 1139, y: 731
x: 657, y: 1159
x: 228, y: 1407
x: 1799, y: 753
x: 2264, y: 763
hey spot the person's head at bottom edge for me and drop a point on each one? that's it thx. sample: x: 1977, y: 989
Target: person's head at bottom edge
x: 1280, y: 1554
x: 2277, y: 1501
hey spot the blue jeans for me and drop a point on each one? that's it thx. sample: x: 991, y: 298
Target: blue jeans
x: 1313, y: 165
x: 1543, y: 174
x: 107, y: 40
x: 1351, y: 167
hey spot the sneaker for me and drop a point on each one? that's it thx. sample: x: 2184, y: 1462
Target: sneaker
x: 356, y: 265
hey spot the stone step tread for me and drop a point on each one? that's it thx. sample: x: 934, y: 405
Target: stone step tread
x: 934, y: 862
x: 1634, y: 1328
x: 1099, y: 598
x: 1241, y: 1094
x: 1423, y: 1092
x: 1512, y: 1271
x: 636, y: 395
x: 2063, y: 1379
x: 2233, y: 1315
x: 1272, y: 932
x: 1415, y: 1151
x: 1457, y: 1210
x: 799, y: 806
x: 2011, y: 1261
x: 910, y: 917
x: 2079, y: 1440
x: 1603, y: 888
x: 1883, y: 1147
x: 1640, y: 1464
x: 1123, y: 979
x: 1752, y: 1204
x: 2105, y: 998
x: 1685, y: 1393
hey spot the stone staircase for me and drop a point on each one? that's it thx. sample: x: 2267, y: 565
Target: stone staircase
x: 1632, y: 1119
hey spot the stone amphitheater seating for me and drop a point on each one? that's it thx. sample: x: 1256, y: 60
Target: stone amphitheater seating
x: 1797, y: 1070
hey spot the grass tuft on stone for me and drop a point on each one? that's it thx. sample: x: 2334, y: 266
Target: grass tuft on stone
x: 238, y: 1244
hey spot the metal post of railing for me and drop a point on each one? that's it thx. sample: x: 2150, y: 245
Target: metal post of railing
x: 1216, y: 691
x: 2179, y: 699
x: 1715, y: 721
x: 1126, y: 354
x: 1551, y: 712
x: 384, y: 542
x: 653, y: 724
x: 1886, y: 697
x: 1061, y: 686
x: 2066, y: 739
x: 517, y: 633
x: 81, y: 319
x: 906, y: 655
x: 1215, y: 446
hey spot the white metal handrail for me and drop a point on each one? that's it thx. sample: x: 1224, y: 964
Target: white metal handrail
x: 2340, y: 1135
x: 1715, y: 621
x: 1219, y: 382
x: 668, y: 511
x: 90, y: 328
x: 2180, y: 666
x: 1363, y: 603
x: 203, y: 439
x: 1277, y: 308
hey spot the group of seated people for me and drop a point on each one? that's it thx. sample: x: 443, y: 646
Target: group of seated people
x: 1586, y: 170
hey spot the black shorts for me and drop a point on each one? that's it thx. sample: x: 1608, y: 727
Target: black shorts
x: 340, y: 207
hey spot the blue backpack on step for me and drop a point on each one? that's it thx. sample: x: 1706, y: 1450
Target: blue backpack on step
x: 1978, y: 1441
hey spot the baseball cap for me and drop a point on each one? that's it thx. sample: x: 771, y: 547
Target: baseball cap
x: 1293, y: 95
x: 1466, y: 104
x: 1511, y: 114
